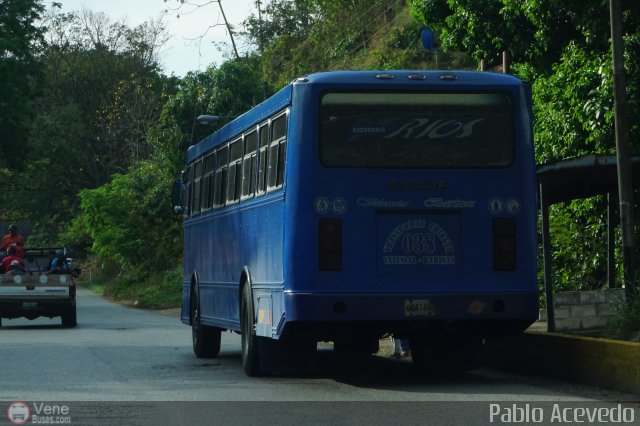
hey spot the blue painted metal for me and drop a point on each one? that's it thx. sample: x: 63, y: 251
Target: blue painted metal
x: 274, y: 237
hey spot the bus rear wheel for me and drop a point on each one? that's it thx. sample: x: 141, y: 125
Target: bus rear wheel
x: 250, y: 343
x: 206, y: 339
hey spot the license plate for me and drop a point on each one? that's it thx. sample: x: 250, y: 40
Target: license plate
x: 419, y: 308
x: 29, y: 304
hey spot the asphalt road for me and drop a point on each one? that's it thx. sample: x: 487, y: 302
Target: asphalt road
x: 129, y: 366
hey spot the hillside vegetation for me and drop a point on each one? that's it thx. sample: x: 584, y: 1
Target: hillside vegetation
x: 92, y: 133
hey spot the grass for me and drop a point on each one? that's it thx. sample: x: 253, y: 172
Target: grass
x: 627, y: 317
x: 156, y: 290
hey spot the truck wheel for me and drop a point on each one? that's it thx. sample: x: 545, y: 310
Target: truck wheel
x: 250, y: 343
x: 69, y: 317
x: 206, y: 339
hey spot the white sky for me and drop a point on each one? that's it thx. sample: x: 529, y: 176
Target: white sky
x: 179, y: 55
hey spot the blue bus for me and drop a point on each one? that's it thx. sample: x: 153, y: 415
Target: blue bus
x: 354, y: 204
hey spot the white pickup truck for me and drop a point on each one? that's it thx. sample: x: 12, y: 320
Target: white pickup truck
x: 34, y: 294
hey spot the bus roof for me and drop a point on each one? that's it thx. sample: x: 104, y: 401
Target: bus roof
x: 431, y: 77
x: 352, y: 79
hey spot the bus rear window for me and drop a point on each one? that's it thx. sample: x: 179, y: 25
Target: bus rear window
x: 416, y: 130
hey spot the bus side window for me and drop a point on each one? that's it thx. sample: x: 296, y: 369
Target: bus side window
x: 282, y: 156
x: 277, y: 152
x: 220, y: 186
x: 235, y: 171
x: 197, y: 187
x: 189, y: 183
x: 262, y: 159
x: 207, y: 185
x: 249, y: 164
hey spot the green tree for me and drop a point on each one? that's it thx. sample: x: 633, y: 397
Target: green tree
x: 101, y: 91
x: 532, y: 31
x: 129, y: 220
x: 20, y: 39
x: 563, y: 48
x: 233, y: 88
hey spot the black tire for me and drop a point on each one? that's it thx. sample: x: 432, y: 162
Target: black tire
x: 250, y: 343
x: 69, y: 317
x: 206, y: 339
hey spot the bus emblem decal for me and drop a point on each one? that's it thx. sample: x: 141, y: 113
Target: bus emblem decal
x: 438, y: 129
x: 381, y: 203
x: 414, y: 242
x: 422, y: 185
x: 322, y: 205
x: 441, y: 203
x: 339, y: 205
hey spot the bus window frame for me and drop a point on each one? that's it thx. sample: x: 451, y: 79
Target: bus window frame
x: 197, y: 187
x: 189, y: 180
x: 250, y: 163
x: 276, y: 146
x: 234, y: 182
x: 221, y: 176
x: 263, y: 161
x: 208, y: 180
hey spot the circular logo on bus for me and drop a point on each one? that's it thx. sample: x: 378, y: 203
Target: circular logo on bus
x: 339, y: 205
x: 322, y: 205
x: 496, y: 206
x: 513, y: 205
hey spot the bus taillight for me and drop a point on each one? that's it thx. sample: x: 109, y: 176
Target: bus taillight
x: 504, y: 244
x: 330, y: 245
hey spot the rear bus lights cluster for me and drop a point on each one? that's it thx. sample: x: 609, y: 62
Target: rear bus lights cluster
x: 330, y: 244
x: 504, y: 244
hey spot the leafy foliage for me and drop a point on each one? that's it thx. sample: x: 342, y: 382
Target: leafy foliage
x: 100, y: 93
x: 111, y: 131
x: 129, y: 219
x: 303, y: 36
x: 20, y: 72
x: 563, y: 48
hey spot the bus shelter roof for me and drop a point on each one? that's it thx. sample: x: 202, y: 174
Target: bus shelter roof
x: 582, y: 177
x: 574, y: 179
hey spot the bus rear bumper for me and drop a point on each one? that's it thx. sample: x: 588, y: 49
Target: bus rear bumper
x: 330, y: 315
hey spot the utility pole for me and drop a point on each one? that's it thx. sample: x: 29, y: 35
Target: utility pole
x: 261, y: 38
x: 233, y: 42
x: 623, y: 152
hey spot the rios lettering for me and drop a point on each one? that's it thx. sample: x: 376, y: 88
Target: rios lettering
x: 436, y: 129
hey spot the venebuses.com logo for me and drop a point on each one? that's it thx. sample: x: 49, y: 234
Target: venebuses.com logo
x: 19, y: 413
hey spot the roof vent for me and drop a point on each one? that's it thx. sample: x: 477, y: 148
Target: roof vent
x: 448, y: 77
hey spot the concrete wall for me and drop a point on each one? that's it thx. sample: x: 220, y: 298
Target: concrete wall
x: 584, y: 310
x: 600, y: 362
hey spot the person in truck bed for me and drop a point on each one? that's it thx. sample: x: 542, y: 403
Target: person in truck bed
x: 13, y: 239
x: 7, y: 263
x: 58, y: 264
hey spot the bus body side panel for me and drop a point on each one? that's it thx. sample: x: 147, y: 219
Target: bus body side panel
x: 220, y: 244
x: 224, y: 245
